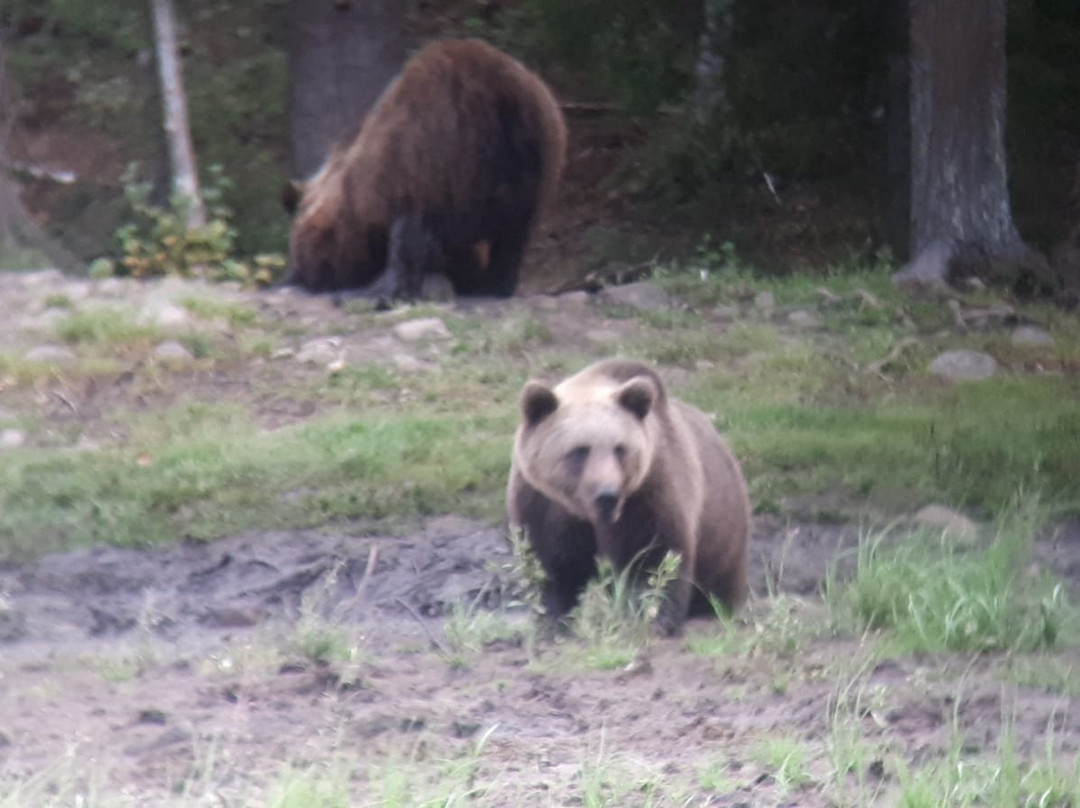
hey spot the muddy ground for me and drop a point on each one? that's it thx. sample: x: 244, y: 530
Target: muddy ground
x: 185, y: 675
x: 153, y: 673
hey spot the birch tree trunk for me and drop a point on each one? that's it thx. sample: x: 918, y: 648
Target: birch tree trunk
x: 959, y: 201
x: 185, y: 177
x: 342, y: 56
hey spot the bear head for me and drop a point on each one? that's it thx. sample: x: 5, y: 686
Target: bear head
x: 588, y: 445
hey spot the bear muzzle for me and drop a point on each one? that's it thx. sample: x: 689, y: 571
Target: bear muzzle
x: 607, y: 505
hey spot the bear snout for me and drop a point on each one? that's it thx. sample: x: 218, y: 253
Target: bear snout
x: 606, y: 502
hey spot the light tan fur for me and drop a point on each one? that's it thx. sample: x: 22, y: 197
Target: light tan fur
x: 607, y: 464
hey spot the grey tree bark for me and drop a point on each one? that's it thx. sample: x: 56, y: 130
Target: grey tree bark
x: 710, y: 95
x: 959, y: 193
x: 343, y: 53
x: 185, y: 175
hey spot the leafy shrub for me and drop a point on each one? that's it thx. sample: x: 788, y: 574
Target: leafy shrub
x: 158, y: 242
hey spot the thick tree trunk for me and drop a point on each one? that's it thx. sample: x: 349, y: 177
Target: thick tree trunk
x: 710, y: 95
x: 18, y: 230
x: 185, y: 176
x: 342, y: 55
x: 959, y: 203
x: 898, y: 121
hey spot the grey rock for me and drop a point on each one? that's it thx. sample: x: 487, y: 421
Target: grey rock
x: 164, y: 314
x: 410, y: 364
x: 172, y: 352
x: 320, y: 351
x: 946, y: 519
x: 643, y: 295
x: 725, y: 312
x: 964, y: 366
x: 424, y: 328
x: 50, y: 355
x: 43, y: 277
x: 1027, y: 335
x: 12, y: 438
x: 803, y: 319
x: 765, y: 302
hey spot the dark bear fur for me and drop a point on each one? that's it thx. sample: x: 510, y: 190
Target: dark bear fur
x: 607, y: 464
x: 447, y: 175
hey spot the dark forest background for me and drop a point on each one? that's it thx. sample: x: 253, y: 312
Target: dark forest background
x: 794, y: 172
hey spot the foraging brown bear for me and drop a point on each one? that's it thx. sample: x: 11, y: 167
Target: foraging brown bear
x: 606, y: 463
x: 446, y: 175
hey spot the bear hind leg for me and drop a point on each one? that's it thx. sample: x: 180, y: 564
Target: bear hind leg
x: 413, y: 251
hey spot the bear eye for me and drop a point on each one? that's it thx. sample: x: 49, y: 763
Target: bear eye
x: 578, y: 455
x: 620, y: 451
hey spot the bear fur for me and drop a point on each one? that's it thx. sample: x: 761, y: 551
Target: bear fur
x: 607, y: 464
x: 446, y: 175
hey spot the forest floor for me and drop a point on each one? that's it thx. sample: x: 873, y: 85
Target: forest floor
x: 234, y: 576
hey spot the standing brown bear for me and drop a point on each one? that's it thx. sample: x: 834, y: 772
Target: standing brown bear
x: 446, y: 175
x: 607, y: 464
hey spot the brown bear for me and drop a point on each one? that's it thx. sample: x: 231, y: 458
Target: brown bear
x: 446, y: 175
x: 607, y: 464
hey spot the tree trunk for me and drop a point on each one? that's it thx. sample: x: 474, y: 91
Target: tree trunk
x: 710, y: 95
x: 185, y: 177
x: 342, y: 55
x: 959, y: 203
x: 18, y: 230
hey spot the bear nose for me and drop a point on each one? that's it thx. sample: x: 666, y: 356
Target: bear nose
x: 606, y: 501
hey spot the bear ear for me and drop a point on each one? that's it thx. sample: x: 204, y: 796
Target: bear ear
x: 290, y: 195
x: 638, y: 395
x: 537, y: 403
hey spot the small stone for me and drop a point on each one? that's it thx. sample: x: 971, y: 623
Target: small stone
x: 725, y: 312
x: 12, y: 438
x: 1027, y: 335
x: 765, y: 302
x: 164, y: 314
x: 964, y: 366
x: 78, y: 290
x: 947, y: 520
x: 408, y: 363
x: 643, y: 296
x: 828, y: 296
x: 425, y: 328
x: 43, y: 277
x: 803, y: 319
x: 320, y: 351
x: 172, y: 352
x: 283, y: 353
x: 50, y: 355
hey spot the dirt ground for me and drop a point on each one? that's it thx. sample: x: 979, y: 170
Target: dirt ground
x: 149, y: 673
x: 184, y: 675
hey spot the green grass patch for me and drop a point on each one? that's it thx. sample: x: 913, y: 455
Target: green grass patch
x: 969, y: 444
x: 933, y: 592
x: 208, y: 474
x: 235, y: 314
x: 105, y: 326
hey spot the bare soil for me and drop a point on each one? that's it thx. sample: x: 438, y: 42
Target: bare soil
x: 155, y: 676
x: 141, y: 670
